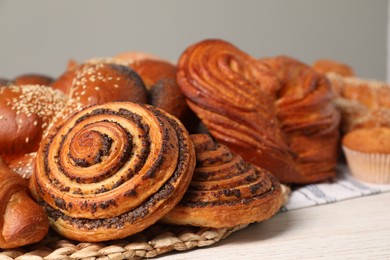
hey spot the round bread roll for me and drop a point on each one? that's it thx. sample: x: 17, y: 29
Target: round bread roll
x: 25, y: 113
x: 93, y: 84
x: 33, y: 79
x: 112, y: 170
x: 158, y: 75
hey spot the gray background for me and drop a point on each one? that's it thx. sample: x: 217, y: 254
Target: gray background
x: 40, y: 36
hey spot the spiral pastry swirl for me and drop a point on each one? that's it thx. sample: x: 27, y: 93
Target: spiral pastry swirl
x: 112, y: 170
x: 229, y: 91
x: 225, y: 190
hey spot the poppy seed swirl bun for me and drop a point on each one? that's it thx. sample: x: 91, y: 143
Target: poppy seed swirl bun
x: 225, y: 190
x: 112, y: 170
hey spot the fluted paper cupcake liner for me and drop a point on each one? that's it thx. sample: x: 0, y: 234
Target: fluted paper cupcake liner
x: 368, y: 167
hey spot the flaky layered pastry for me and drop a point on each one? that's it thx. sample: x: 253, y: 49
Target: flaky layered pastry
x: 225, y: 190
x: 224, y: 87
x: 112, y: 170
x: 308, y: 117
x: 22, y: 221
x: 282, y: 121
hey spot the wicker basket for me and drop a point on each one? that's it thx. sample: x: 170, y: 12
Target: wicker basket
x: 155, y: 240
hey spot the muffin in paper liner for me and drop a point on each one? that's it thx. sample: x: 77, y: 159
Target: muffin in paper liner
x: 368, y: 167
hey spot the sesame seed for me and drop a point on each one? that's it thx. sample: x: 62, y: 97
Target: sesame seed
x: 97, y: 88
x: 27, y: 139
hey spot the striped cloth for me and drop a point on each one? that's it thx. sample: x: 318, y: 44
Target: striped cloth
x: 343, y: 187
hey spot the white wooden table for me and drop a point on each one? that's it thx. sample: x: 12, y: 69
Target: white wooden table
x: 358, y: 228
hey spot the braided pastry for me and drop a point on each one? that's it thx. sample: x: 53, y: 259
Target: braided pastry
x: 112, y: 170
x: 225, y: 190
x: 22, y: 221
x: 308, y: 117
x: 228, y: 90
x: 261, y: 112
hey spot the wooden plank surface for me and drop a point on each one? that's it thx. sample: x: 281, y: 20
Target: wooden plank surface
x: 353, y: 229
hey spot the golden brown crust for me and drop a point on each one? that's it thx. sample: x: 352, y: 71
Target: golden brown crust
x: 308, y: 117
x: 369, y: 140
x: 164, y: 92
x: 362, y: 103
x: 325, y: 66
x: 225, y: 190
x: 112, y: 170
x: 222, y: 86
x: 33, y: 79
x: 22, y: 221
x: 159, y: 77
x: 25, y: 113
x: 94, y: 84
x: 272, y: 117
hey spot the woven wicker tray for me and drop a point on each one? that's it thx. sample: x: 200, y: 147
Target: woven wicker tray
x: 155, y: 240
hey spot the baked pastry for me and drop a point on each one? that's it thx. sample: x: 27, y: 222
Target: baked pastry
x: 112, y: 170
x: 32, y: 79
x: 308, y: 117
x: 22, y: 221
x: 325, y: 66
x: 222, y: 86
x: 225, y: 190
x: 362, y: 102
x: 367, y: 151
x: 158, y: 75
x: 245, y: 106
x: 25, y: 113
x: 160, y: 79
x: 93, y: 84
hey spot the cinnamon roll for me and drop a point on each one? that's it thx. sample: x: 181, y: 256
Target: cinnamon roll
x: 225, y: 190
x: 112, y: 170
